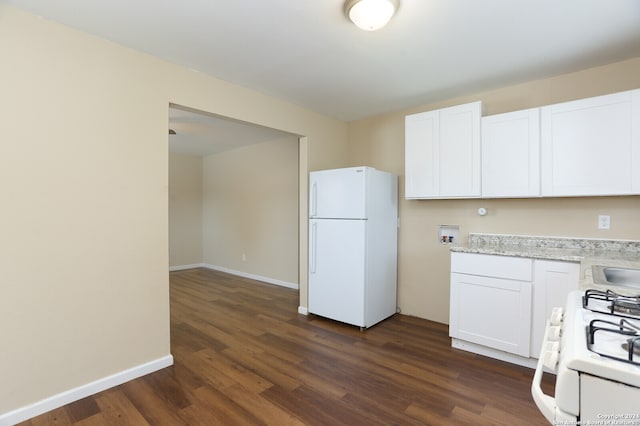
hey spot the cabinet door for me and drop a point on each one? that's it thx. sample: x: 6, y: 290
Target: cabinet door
x: 459, y: 151
x: 421, y: 151
x: 511, y: 154
x: 442, y: 153
x: 552, y: 282
x: 492, y: 312
x: 592, y: 146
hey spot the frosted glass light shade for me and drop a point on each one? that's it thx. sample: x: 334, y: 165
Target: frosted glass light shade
x: 370, y: 15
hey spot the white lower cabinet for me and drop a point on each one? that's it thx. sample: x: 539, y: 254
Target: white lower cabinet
x: 493, y: 312
x: 491, y: 301
x: 553, y: 281
x: 500, y: 304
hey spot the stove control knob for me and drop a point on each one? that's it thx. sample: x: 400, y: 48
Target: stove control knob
x: 553, y: 333
x: 556, y: 316
x: 550, y: 359
x: 552, y: 347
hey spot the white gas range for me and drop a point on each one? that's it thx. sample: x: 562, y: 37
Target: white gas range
x: 593, y: 346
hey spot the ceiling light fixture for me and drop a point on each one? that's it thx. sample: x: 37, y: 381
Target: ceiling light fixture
x: 370, y: 15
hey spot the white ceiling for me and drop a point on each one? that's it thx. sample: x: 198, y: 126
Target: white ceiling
x: 201, y: 134
x: 307, y: 52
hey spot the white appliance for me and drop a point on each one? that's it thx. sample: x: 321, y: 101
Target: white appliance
x: 353, y: 233
x: 593, y: 346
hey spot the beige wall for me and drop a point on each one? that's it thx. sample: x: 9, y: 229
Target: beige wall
x: 423, y: 287
x: 251, y: 209
x: 84, y: 184
x: 83, y: 178
x: 185, y: 210
x: 239, y: 202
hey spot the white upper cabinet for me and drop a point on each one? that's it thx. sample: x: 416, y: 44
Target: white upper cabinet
x: 511, y: 154
x: 442, y: 153
x: 592, y: 146
x: 588, y: 147
x: 420, y: 139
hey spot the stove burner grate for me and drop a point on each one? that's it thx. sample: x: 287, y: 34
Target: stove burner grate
x: 632, y: 346
x: 612, y: 303
x: 622, y: 328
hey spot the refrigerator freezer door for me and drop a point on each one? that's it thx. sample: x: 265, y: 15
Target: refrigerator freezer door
x: 337, y: 269
x: 338, y: 193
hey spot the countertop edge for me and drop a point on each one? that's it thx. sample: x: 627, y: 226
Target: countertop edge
x: 518, y: 253
x: 585, y: 257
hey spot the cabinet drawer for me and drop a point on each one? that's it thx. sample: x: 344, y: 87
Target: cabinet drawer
x: 512, y: 268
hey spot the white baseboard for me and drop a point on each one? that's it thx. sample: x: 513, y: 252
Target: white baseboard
x: 184, y: 267
x: 251, y: 276
x: 75, y: 394
x: 303, y: 310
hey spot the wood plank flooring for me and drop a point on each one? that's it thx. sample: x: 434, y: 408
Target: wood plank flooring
x: 244, y: 356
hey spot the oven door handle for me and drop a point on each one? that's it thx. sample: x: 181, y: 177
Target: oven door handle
x: 546, y: 404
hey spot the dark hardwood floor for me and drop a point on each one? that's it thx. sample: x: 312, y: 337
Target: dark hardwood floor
x: 243, y: 355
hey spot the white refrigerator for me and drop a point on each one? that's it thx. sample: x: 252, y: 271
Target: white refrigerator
x: 353, y: 244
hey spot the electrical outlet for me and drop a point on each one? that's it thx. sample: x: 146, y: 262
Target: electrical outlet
x: 244, y: 257
x: 604, y: 221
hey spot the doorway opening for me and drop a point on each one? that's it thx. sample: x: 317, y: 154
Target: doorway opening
x: 234, y: 197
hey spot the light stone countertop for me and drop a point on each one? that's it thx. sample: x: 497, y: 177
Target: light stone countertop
x: 588, y: 252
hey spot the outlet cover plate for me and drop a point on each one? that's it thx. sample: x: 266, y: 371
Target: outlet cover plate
x: 604, y: 221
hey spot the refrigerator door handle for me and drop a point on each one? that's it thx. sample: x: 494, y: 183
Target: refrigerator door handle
x: 314, y: 199
x: 314, y: 235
